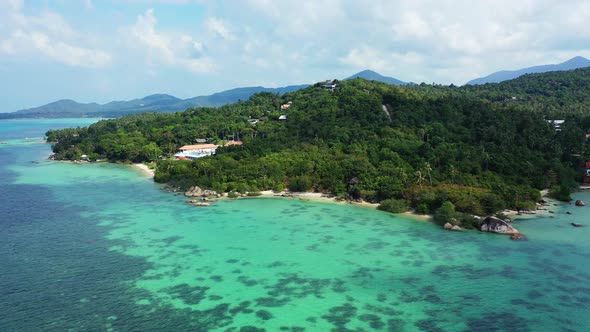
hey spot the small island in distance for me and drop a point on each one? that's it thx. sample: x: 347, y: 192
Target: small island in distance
x: 454, y: 152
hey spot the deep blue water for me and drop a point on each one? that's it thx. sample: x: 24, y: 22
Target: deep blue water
x: 56, y: 271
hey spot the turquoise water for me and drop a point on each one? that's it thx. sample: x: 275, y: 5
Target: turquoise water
x: 101, y: 247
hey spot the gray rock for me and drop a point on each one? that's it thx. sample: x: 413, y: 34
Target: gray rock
x: 448, y: 226
x: 198, y: 192
x: 194, y: 192
x: 495, y: 225
x: 580, y: 203
x: 456, y: 228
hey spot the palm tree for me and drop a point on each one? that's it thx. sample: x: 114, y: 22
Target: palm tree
x: 428, y: 171
x: 402, y: 175
x: 419, y: 178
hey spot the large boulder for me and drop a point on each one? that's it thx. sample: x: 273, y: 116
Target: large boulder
x: 194, y: 192
x: 495, y: 225
x: 448, y: 226
x: 198, y: 192
x: 580, y: 203
x: 456, y: 228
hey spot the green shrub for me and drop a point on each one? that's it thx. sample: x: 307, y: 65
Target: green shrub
x: 278, y: 187
x: 300, y: 183
x: 243, y: 188
x: 233, y: 194
x: 492, y: 203
x: 465, y: 220
x: 394, y: 205
x: 561, y: 193
x: 525, y: 205
x: 422, y: 208
x: 369, y: 195
x: 253, y: 194
x: 445, y: 213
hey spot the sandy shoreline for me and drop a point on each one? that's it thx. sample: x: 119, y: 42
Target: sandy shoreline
x: 326, y: 198
x: 146, y: 170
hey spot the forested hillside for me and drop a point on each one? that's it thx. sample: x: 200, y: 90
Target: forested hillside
x: 418, y: 145
x: 553, y: 94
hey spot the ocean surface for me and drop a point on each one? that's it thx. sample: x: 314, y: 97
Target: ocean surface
x: 100, y: 247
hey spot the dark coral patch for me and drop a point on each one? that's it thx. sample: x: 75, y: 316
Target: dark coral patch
x: 247, y: 281
x: 373, y: 320
x: 216, y: 278
x: 250, y: 328
x: 341, y: 315
x: 498, y: 321
x: 264, y: 315
x: 271, y: 301
x: 189, y: 295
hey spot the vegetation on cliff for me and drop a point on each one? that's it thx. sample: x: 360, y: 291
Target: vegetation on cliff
x: 415, y: 145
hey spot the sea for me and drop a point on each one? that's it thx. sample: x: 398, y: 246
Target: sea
x: 101, y: 247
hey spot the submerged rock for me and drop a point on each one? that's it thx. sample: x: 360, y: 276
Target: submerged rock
x: 495, y: 225
x: 580, y: 203
x: 516, y: 237
x: 575, y: 224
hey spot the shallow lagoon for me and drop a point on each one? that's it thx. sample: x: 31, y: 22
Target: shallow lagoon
x: 99, y: 246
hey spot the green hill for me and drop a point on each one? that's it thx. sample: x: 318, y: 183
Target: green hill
x: 417, y: 145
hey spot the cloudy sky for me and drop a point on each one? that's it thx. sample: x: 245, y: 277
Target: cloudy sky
x: 103, y: 50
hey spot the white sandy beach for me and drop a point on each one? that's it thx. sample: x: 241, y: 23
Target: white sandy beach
x: 146, y: 170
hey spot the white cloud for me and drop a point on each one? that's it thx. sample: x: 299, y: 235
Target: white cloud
x: 45, y: 36
x: 57, y: 50
x: 411, y: 26
x: 89, y: 5
x: 144, y: 31
x: 218, y: 27
x: 15, y: 5
x: 365, y: 57
x: 174, y: 49
x: 256, y: 42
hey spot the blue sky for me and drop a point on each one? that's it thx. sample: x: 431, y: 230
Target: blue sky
x: 103, y: 50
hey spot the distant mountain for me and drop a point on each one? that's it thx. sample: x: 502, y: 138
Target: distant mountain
x: 574, y: 63
x: 67, y: 106
x: 61, y: 106
x: 373, y: 76
x: 233, y: 95
x: 152, y: 103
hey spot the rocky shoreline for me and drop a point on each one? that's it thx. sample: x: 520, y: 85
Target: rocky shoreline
x: 491, y: 224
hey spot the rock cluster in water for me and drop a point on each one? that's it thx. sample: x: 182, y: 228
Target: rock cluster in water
x: 450, y: 227
x: 496, y: 225
x: 198, y: 192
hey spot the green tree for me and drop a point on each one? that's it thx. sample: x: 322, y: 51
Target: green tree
x: 394, y: 205
x: 445, y: 213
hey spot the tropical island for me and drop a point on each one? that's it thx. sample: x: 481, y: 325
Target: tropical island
x: 451, y: 151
